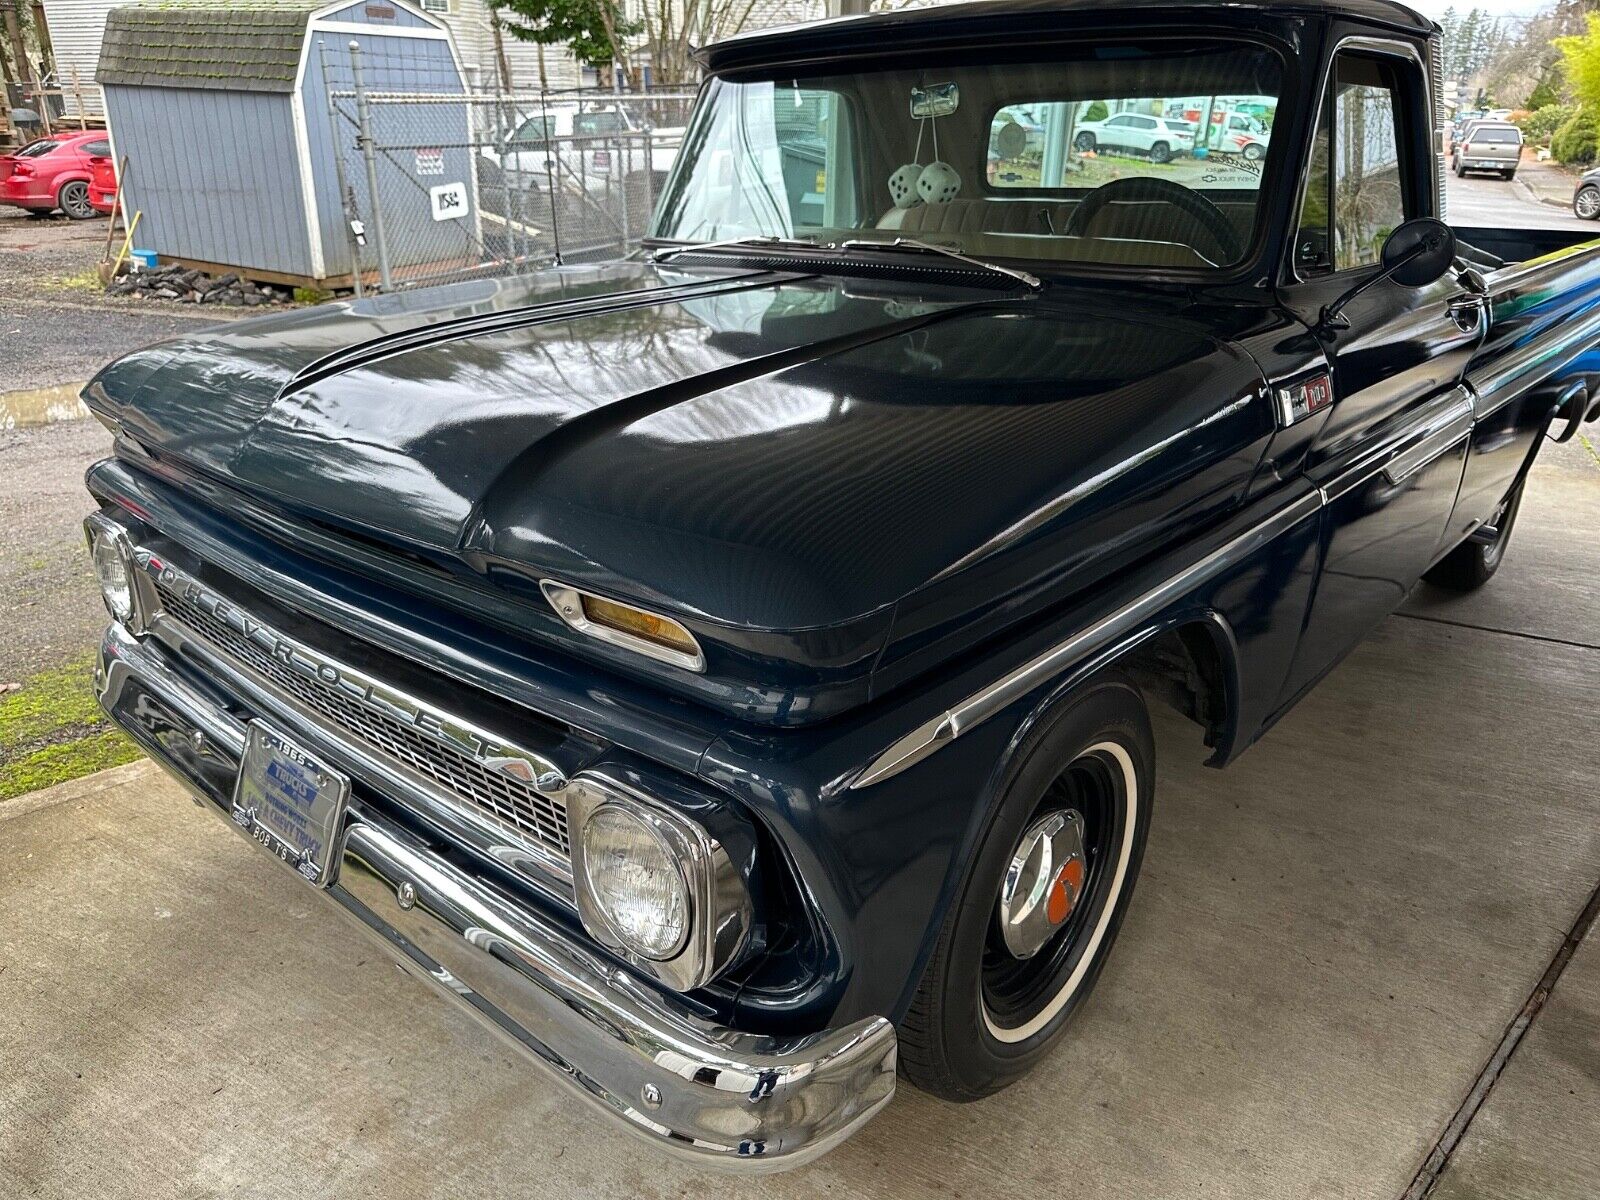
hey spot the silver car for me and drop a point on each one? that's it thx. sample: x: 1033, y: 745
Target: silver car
x: 1488, y: 146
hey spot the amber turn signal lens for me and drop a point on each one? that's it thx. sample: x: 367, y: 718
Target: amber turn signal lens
x: 641, y: 624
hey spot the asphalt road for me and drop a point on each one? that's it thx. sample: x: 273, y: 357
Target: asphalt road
x: 1488, y: 202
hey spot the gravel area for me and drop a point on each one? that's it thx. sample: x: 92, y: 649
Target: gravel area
x: 56, y: 325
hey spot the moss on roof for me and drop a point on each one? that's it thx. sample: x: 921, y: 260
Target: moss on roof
x: 246, y: 45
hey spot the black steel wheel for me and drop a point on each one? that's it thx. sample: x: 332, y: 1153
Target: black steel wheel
x: 1473, y: 563
x: 1042, y: 901
x: 73, y: 199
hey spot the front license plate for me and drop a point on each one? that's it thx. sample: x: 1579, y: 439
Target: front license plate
x: 290, y: 802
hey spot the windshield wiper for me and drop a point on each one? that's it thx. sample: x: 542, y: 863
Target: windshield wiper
x: 901, y: 243
x: 782, y: 243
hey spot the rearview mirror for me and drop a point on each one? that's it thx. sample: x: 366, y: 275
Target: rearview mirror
x: 935, y: 100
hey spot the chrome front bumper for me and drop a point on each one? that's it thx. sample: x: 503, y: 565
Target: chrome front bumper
x: 705, y: 1092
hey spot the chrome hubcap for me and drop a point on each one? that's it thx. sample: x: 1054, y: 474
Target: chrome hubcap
x: 1043, y: 882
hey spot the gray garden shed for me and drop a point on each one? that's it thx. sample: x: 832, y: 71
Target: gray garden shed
x: 222, y: 112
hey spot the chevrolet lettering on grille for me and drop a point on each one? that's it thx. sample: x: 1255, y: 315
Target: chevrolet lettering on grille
x: 489, y: 752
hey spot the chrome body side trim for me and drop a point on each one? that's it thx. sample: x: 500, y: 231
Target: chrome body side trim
x: 1444, y: 437
x: 1442, y: 426
x: 1510, y: 375
x: 1434, y: 430
x: 979, y: 707
x: 713, y: 1095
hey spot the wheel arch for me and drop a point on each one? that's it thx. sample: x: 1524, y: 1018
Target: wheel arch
x: 1190, y: 651
x: 1187, y: 659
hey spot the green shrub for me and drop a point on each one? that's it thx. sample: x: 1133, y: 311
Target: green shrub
x: 1540, y: 125
x: 1575, y: 141
x: 1097, y: 111
x: 1544, y: 95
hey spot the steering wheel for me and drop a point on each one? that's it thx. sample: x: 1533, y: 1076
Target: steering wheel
x: 1204, y: 217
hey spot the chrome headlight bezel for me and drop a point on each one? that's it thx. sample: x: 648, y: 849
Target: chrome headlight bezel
x: 720, y: 910
x: 101, y: 531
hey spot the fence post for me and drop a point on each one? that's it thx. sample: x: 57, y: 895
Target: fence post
x: 77, y: 96
x: 347, y: 198
x: 552, y: 168
x: 370, y: 156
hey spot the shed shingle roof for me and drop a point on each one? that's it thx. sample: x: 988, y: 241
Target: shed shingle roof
x: 247, y: 45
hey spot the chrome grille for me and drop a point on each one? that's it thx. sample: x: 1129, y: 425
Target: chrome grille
x: 512, y: 805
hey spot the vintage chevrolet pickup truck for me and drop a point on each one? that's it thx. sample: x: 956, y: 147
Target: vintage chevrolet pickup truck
x: 726, y: 670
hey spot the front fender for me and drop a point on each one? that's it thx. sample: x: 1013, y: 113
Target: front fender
x: 881, y: 858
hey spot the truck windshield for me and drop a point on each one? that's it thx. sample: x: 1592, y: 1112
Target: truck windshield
x: 1117, y: 153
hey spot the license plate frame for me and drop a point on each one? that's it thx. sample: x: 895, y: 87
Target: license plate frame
x: 291, y: 802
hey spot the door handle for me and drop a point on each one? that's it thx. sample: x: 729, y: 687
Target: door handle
x: 1467, y: 311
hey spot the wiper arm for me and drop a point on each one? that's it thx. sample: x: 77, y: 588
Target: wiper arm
x: 901, y: 243
x: 667, y: 252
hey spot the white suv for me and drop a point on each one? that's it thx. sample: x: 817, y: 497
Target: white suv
x: 1159, y: 137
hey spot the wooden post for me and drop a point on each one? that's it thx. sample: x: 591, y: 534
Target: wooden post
x: 77, y: 96
x: 116, y: 208
x: 44, y: 103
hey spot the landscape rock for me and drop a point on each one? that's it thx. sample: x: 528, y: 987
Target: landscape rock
x: 188, y: 285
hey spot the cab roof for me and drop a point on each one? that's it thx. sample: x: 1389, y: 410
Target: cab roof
x: 816, y: 39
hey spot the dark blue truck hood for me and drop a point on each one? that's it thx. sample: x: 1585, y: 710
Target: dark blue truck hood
x: 818, y: 475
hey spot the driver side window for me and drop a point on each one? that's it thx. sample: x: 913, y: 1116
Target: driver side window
x: 1355, y: 190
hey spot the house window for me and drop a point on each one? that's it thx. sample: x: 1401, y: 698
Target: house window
x: 442, y: 7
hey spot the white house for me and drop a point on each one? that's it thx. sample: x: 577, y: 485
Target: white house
x: 75, y: 28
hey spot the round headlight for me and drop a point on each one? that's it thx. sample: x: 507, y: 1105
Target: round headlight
x: 112, y: 571
x: 634, y: 880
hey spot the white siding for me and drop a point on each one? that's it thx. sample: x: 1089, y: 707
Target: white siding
x: 469, y: 23
x: 76, y: 27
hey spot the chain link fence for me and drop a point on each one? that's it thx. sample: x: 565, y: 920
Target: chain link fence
x: 439, y: 186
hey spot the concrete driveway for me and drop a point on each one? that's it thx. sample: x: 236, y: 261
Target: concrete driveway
x: 1325, y: 954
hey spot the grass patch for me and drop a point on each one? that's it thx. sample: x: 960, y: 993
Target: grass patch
x: 51, y: 730
x: 83, y: 281
x: 62, y: 761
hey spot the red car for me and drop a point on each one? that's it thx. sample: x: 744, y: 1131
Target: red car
x: 53, y: 172
x: 103, y: 183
